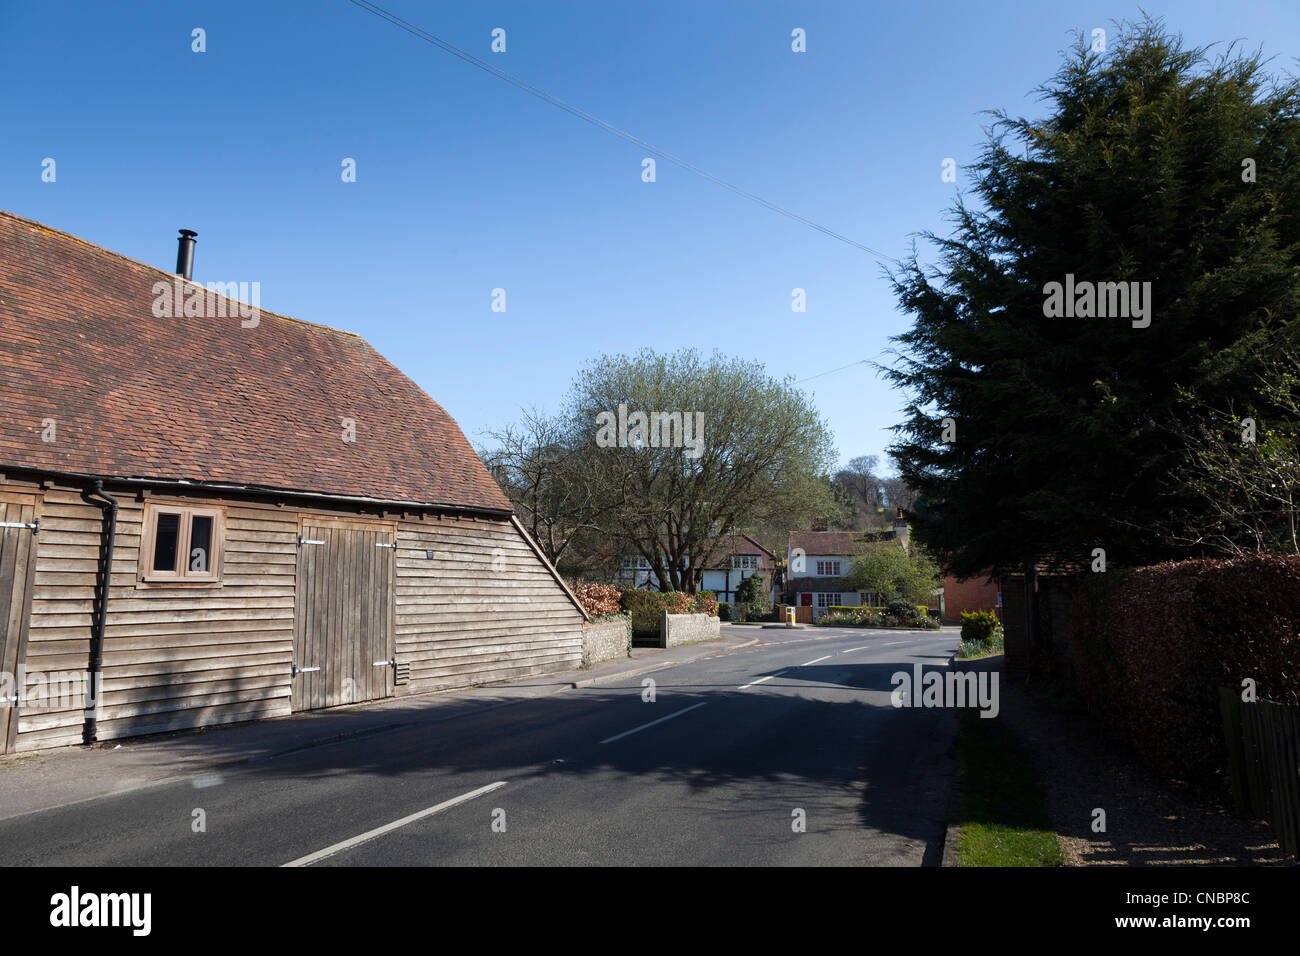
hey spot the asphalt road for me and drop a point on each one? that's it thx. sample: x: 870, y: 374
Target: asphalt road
x: 719, y: 769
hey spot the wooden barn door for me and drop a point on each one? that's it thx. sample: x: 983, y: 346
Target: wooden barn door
x: 343, y: 642
x: 17, y: 567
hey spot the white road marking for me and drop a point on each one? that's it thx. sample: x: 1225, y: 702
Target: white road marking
x: 893, y: 644
x: 390, y: 827
x: 852, y: 649
x: 634, y: 730
x: 761, y: 680
x: 818, y: 661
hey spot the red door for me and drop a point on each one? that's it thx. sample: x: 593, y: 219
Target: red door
x: 805, y: 600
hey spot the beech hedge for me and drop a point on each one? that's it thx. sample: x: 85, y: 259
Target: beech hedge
x: 597, y: 599
x: 1152, y: 646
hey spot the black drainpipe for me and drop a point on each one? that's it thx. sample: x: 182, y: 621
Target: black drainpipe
x: 99, y: 613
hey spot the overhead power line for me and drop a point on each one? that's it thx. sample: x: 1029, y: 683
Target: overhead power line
x: 601, y: 124
x: 828, y: 372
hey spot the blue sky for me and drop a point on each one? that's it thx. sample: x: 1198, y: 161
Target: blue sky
x: 466, y: 184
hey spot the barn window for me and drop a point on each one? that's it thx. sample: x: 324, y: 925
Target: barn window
x: 181, y: 544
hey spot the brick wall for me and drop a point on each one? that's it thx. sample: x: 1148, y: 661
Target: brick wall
x: 971, y: 594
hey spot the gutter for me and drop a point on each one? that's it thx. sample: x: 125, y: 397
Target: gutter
x: 99, y: 614
x: 392, y: 504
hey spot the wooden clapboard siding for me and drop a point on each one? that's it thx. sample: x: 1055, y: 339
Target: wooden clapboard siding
x: 483, y: 608
x: 174, y: 656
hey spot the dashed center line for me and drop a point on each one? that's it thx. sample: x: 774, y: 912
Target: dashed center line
x: 761, y: 680
x: 390, y: 827
x: 627, y: 733
x: 818, y: 661
x: 852, y: 649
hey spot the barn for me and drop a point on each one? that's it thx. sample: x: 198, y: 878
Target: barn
x: 212, y: 513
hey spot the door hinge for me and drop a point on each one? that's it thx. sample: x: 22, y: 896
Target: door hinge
x: 303, y: 670
x: 35, y: 526
x: 380, y: 544
x: 302, y: 540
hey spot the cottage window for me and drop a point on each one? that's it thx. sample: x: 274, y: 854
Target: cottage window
x: 744, y: 562
x: 827, y: 600
x: 828, y: 568
x: 181, y: 544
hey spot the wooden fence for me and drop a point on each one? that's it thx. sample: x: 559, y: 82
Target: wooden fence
x: 1263, y: 740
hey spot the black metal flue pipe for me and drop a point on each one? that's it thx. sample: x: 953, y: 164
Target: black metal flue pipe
x: 185, y: 254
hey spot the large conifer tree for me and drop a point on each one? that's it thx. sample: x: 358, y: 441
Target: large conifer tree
x: 1155, y: 163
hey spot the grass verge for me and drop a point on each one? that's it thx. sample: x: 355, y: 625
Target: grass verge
x: 1003, y: 819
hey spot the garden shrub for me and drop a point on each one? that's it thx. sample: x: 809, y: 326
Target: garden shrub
x: 647, y: 606
x: 724, y: 611
x: 872, y: 617
x: 904, y: 612
x: 978, y: 626
x: 752, y: 591
x: 706, y: 602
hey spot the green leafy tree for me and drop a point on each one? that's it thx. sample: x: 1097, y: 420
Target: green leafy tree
x: 764, y: 455
x: 1031, y: 436
x: 890, y: 573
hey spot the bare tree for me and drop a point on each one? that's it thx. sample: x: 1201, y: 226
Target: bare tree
x: 537, y: 466
x: 1245, y: 467
x: 860, y: 488
x: 897, y: 494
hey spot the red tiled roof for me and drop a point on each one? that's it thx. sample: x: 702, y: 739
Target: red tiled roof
x: 740, y: 544
x: 836, y: 542
x: 205, y: 399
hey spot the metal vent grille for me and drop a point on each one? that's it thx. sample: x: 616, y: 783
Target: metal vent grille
x: 402, y: 673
